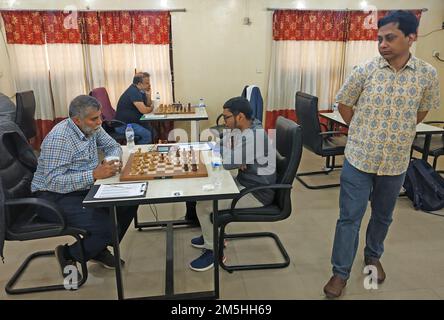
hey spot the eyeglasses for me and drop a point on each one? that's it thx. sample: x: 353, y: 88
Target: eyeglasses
x: 228, y: 117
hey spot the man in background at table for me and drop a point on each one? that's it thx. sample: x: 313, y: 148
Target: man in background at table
x: 391, y: 94
x: 253, y: 169
x: 67, y: 168
x: 133, y: 104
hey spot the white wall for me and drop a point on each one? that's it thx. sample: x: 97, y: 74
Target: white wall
x: 215, y: 55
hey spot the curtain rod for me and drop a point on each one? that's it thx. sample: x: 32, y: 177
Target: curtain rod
x: 274, y: 9
x: 89, y: 10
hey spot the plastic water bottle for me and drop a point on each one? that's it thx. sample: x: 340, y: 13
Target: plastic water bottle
x: 201, y: 103
x: 335, y: 107
x: 217, y: 171
x: 129, y: 134
x: 157, y: 100
x: 216, y: 164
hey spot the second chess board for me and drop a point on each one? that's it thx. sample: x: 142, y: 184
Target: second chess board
x: 175, y: 108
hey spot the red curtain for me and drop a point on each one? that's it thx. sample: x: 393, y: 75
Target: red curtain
x: 363, y: 25
x: 61, y: 27
x: 91, y: 27
x: 327, y: 25
x: 309, y: 25
x: 116, y: 27
x: 151, y: 27
x: 23, y: 27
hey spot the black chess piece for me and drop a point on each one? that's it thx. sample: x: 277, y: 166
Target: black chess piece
x: 185, y: 167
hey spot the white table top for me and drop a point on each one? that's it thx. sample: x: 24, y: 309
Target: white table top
x: 161, y: 190
x: 421, y: 128
x: 200, y: 114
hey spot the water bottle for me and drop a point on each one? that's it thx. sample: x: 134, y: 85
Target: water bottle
x: 216, y: 164
x: 335, y: 107
x: 129, y: 134
x: 157, y: 103
x: 201, y: 103
x: 217, y: 171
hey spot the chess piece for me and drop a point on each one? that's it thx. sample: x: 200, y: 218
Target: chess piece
x: 185, y: 167
x: 189, y: 107
x: 178, y: 153
x: 193, y: 167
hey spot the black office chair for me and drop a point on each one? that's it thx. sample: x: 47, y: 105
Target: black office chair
x: 21, y: 223
x: 328, y: 144
x: 24, y: 117
x: 436, y: 144
x: 288, y: 156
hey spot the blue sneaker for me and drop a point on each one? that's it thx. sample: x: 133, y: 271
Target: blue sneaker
x: 198, y: 242
x: 204, y: 262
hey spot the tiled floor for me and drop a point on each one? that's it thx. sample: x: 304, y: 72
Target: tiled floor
x: 414, y: 258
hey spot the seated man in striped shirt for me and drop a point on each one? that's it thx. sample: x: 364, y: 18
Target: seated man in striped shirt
x: 67, y: 168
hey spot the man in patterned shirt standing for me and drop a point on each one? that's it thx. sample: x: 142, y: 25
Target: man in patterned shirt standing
x: 67, y: 168
x: 390, y: 95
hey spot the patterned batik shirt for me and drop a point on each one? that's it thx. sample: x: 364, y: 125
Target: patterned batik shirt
x: 386, y: 103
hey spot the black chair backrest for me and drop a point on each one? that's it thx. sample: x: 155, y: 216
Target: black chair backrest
x: 307, y: 117
x: 17, y: 164
x: 25, y: 113
x: 288, y: 157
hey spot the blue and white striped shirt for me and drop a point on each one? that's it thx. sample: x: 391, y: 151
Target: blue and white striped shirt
x: 68, y: 158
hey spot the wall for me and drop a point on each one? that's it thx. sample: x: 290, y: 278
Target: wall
x: 215, y: 55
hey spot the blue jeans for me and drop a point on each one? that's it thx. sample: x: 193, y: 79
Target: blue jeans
x: 143, y: 132
x: 357, y: 188
x: 96, y: 221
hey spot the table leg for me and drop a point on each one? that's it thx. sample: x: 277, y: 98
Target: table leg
x: 428, y: 138
x: 216, y: 249
x: 116, y: 247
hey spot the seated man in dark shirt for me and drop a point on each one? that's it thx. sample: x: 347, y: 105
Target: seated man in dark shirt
x: 133, y: 103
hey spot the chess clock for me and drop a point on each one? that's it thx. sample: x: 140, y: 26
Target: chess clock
x: 163, y: 149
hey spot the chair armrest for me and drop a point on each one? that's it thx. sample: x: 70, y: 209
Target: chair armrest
x: 114, y: 123
x: 330, y: 133
x: 250, y: 190
x: 37, y: 202
x: 218, y: 119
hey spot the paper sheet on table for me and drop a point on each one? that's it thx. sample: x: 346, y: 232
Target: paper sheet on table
x: 121, y: 190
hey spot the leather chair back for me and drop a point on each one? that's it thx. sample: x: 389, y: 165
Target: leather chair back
x: 24, y: 117
x: 17, y: 165
x: 108, y: 112
x: 288, y: 157
x: 307, y: 117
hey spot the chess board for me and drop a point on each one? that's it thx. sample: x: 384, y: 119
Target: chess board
x: 155, y: 165
x: 175, y: 108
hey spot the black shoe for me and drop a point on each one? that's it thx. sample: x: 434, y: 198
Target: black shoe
x: 106, y: 260
x: 65, y: 260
